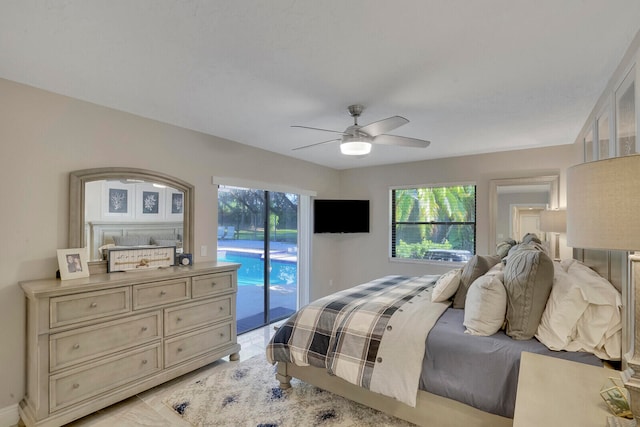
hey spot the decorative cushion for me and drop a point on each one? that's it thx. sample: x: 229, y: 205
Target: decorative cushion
x: 485, y: 307
x: 528, y: 278
x: 497, y: 270
x: 163, y: 242
x: 446, y: 286
x: 166, y: 237
x: 502, y: 248
x: 131, y: 240
x: 565, y: 306
x: 474, y: 268
x: 531, y: 237
x: 599, y: 329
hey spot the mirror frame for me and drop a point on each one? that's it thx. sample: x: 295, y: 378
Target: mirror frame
x: 554, y: 198
x: 77, y: 181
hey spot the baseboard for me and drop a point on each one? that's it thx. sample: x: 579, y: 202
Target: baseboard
x: 9, y: 416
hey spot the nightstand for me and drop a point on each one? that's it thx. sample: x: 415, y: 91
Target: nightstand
x: 557, y: 392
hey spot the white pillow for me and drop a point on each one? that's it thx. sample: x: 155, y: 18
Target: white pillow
x: 485, y: 306
x: 599, y: 329
x: 497, y: 270
x: 565, y: 306
x: 446, y: 286
x: 583, y: 313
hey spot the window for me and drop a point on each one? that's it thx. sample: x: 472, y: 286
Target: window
x: 435, y: 223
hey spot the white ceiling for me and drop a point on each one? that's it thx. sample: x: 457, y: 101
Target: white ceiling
x: 471, y: 76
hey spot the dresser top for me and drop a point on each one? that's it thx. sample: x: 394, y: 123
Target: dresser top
x: 52, y: 287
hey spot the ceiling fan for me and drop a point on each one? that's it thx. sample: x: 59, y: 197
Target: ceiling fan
x: 356, y: 140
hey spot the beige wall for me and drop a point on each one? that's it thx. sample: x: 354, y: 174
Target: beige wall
x: 45, y: 136
x: 366, y: 256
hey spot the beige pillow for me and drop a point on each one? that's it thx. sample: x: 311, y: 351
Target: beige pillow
x: 485, y: 307
x: 566, y: 304
x: 497, y: 270
x: 446, y: 286
x: 474, y: 268
x: 528, y: 278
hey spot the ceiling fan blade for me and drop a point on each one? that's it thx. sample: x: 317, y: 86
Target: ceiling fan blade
x: 323, y: 130
x: 313, y: 145
x: 384, y: 125
x: 401, y: 141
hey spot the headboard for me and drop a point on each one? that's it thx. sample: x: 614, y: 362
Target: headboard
x: 612, y: 265
x: 101, y: 233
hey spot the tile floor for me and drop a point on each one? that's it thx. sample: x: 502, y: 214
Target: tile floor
x: 147, y: 409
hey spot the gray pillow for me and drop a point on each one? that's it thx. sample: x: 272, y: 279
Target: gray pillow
x: 131, y: 240
x: 502, y: 248
x: 166, y: 237
x: 474, y: 268
x: 163, y: 242
x: 531, y: 237
x: 528, y: 277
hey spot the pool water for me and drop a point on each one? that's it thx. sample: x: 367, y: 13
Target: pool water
x: 283, y: 284
x: 251, y: 272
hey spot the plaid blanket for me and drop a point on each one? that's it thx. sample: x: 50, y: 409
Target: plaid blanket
x: 372, y: 335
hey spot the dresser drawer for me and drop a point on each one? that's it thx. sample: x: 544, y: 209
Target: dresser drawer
x: 75, y: 308
x: 82, y: 344
x: 189, y: 316
x: 211, y: 284
x: 159, y: 293
x: 196, y: 343
x: 70, y: 387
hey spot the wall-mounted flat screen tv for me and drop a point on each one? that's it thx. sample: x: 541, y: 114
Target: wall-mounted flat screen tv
x: 340, y: 216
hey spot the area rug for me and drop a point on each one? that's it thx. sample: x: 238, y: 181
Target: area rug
x: 247, y: 394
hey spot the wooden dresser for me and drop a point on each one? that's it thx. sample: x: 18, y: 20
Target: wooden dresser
x: 94, y: 341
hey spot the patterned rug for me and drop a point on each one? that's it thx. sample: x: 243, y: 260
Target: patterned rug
x: 247, y: 394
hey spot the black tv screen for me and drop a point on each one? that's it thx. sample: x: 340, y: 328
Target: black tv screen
x: 340, y: 216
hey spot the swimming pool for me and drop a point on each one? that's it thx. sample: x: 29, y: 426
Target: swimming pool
x: 250, y: 303
x: 251, y: 272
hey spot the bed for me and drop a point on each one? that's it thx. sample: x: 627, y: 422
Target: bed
x: 467, y: 372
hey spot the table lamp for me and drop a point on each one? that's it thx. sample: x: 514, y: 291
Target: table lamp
x: 603, y: 212
x: 554, y: 221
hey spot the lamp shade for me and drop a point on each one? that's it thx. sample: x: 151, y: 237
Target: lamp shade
x: 554, y: 221
x: 603, y: 204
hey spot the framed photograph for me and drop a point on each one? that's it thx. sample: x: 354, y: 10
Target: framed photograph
x: 118, y: 200
x: 149, y: 202
x: 140, y: 259
x: 616, y: 397
x: 73, y: 263
x: 174, y: 205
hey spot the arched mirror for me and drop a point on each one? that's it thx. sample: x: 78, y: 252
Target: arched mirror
x: 123, y: 206
x: 515, y: 205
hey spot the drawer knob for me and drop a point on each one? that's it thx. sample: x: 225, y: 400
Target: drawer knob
x: 221, y: 308
x: 162, y: 293
x: 179, y: 349
x: 76, y: 385
x: 213, y: 284
x: 144, y: 329
x: 221, y: 334
x: 93, y: 305
x: 76, y: 346
x: 178, y: 319
x: 144, y: 361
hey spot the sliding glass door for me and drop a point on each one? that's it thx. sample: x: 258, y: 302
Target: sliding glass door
x: 259, y: 230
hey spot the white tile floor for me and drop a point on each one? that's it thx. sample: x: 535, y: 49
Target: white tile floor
x: 147, y: 409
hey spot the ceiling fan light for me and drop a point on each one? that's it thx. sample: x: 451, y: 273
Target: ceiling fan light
x: 355, y: 146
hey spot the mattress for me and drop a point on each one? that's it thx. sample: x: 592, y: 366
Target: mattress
x: 479, y: 371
